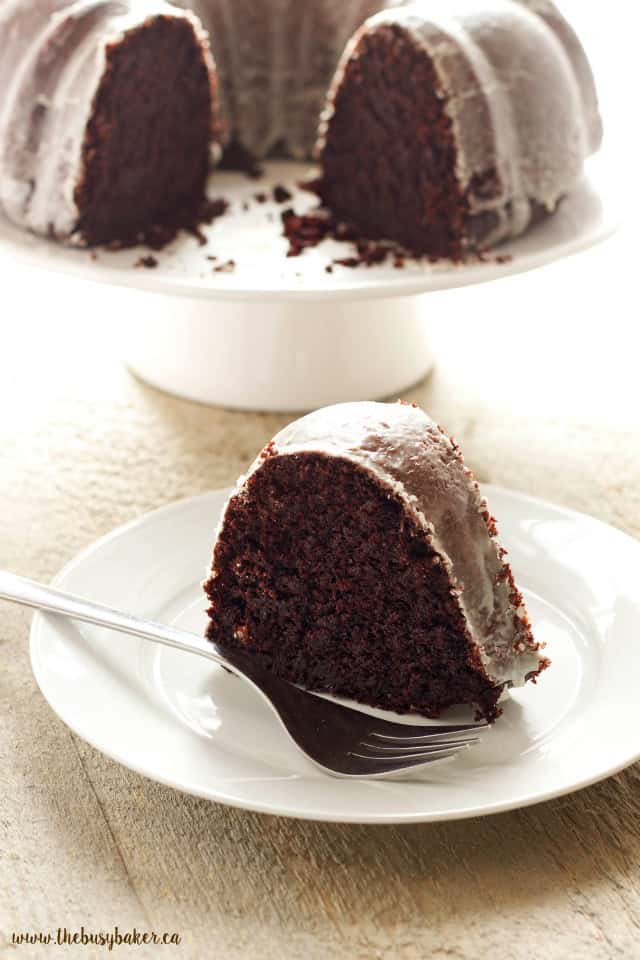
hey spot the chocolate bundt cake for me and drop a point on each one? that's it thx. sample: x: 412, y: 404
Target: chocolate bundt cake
x: 452, y: 124
x: 358, y: 557
x: 106, y: 117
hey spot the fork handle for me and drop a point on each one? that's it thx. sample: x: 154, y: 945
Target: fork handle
x: 32, y: 594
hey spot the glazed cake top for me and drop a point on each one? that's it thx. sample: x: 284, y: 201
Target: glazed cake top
x: 412, y: 457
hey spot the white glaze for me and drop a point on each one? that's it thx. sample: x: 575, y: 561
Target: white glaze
x: 414, y: 460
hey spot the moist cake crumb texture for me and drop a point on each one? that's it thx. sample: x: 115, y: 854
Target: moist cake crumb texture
x: 145, y: 158
x: 389, y: 160
x: 348, y: 562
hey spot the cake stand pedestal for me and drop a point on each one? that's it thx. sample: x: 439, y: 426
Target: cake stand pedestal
x: 287, y: 356
x: 233, y: 321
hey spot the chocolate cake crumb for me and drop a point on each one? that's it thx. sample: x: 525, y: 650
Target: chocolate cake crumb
x: 281, y: 194
x: 149, y: 262
x: 371, y: 253
x: 212, y: 256
x: 227, y: 267
x: 348, y: 262
x: 304, y: 230
x: 260, y: 197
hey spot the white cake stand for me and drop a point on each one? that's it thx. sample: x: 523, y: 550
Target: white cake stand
x: 278, y: 333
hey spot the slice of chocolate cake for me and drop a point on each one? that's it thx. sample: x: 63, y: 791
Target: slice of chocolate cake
x: 358, y: 557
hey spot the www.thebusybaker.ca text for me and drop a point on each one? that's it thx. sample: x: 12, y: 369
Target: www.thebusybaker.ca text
x: 109, y: 939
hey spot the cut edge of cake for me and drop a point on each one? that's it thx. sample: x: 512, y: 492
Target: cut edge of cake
x: 146, y: 158
x: 501, y: 644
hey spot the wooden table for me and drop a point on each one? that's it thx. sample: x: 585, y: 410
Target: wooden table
x: 537, y: 377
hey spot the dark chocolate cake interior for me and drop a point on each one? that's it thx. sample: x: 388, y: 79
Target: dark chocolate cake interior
x: 389, y: 159
x: 323, y: 577
x: 146, y: 149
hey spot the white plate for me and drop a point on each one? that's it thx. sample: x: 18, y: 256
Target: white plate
x: 186, y: 723
x: 253, y: 239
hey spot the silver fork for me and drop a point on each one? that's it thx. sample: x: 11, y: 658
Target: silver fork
x: 341, y: 741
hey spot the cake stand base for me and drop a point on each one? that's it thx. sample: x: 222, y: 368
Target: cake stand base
x: 277, y: 356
